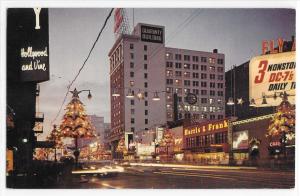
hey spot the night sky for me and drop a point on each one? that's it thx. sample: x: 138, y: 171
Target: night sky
x: 235, y: 32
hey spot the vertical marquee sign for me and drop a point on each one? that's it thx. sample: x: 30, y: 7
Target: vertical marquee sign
x: 28, y: 30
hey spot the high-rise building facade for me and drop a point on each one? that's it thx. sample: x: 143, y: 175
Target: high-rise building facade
x: 142, y: 66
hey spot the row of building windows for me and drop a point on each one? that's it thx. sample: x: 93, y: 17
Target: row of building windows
x: 206, y: 140
x: 132, y: 121
x: 187, y: 82
x: 131, y: 46
x: 194, y: 116
x: 178, y: 57
x: 178, y: 65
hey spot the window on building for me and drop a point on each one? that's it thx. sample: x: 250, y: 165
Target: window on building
x: 203, y: 67
x: 146, y: 94
x: 186, y: 66
x: 203, y: 59
x: 212, y: 93
x: 170, y: 81
x: 203, y: 76
x: 220, y: 69
x: 132, y: 111
x: 145, y: 48
x: 178, y: 65
x: 220, y: 116
x: 212, y: 76
x: 178, y: 73
x: 131, y: 46
x: 178, y: 82
x: 131, y: 83
x: 132, y: 120
x: 220, y: 77
x: 220, y: 93
x: 145, y: 57
x: 196, y: 91
x: 132, y: 129
x: 145, y: 66
x: 212, y: 85
x: 187, y: 83
x: 169, y: 56
x: 195, y: 67
x: 146, y: 112
x: 146, y: 121
x: 195, y: 83
x: 212, y: 60
x: 146, y: 85
x: 220, y: 85
x: 203, y: 84
x: 179, y: 99
x: 212, y: 117
x: 195, y: 75
x: 178, y: 57
x: 169, y: 64
x: 220, y: 61
x: 195, y: 59
x: 186, y: 57
x: 131, y: 55
x: 131, y: 65
x: 131, y: 74
x: 146, y: 103
x: 169, y: 73
x: 211, y: 100
x: 131, y: 102
x: 187, y: 74
x: 203, y: 92
x: 203, y: 100
x: 145, y: 75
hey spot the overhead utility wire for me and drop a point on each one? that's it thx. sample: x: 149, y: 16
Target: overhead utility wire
x: 84, y: 63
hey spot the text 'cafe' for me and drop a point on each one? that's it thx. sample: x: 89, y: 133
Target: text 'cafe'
x: 207, y: 142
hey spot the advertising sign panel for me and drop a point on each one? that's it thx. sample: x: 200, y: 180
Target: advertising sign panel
x: 31, y: 42
x: 270, y: 74
x: 240, y: 140
x: 152, y: 34
x: 146, y: 150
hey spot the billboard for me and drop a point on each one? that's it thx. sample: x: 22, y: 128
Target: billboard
x: 28, y: 43
x: 270, y: 74
x: 240, y: 140
x: 152, y: 34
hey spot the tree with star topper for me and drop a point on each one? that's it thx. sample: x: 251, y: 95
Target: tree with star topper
x: 75, y: 122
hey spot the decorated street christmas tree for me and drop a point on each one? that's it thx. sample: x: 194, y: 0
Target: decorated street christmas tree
x: 55, y: 136
x: 75, y: 122
x: 121, y: 146
x: 283, y: 121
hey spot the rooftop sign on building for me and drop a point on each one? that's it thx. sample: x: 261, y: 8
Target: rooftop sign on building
x: 152, y: 34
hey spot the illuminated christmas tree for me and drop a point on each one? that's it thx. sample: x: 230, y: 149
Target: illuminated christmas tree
x: 121, y: 146
x: 55, y: 136
x: 283, y: 121
x: 75, y: 122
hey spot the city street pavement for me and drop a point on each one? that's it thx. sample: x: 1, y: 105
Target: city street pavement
x: 137, y: 177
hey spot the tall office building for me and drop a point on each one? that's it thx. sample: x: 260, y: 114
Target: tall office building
x: 142, y: 66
